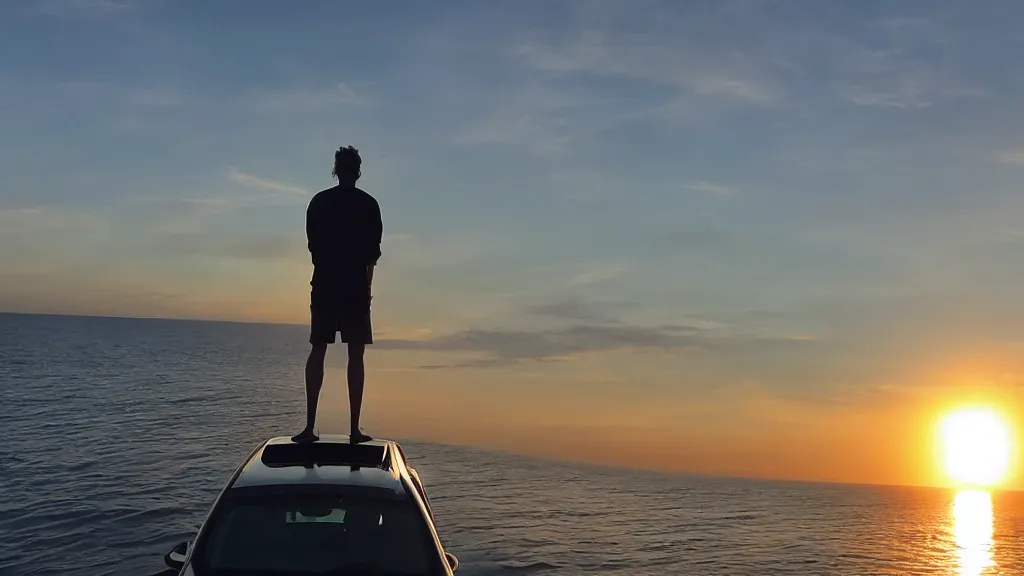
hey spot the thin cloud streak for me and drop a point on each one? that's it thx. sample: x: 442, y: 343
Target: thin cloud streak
x: 647, y: 60
x: 245, y: 179
x: 71, y: 8
x: 576, y: 308
x: 1011, y: 156
x: 597, y: 275
x: 504, y: 347
x: 590, y: 329
x: 38, y: 219
x: 291, y: 100
x: 257, y: 247
x: 910, y: 98
x: 711, y: 188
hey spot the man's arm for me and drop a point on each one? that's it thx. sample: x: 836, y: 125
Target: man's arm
x: 377, y: 234
x: 311, y: 228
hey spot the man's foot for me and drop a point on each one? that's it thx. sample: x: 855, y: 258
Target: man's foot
x: 306, y: 435
x: 357, y: 437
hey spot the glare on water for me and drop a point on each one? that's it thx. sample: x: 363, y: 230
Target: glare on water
x: 972, y: 530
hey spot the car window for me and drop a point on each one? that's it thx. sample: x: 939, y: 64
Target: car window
x: 305, y: 534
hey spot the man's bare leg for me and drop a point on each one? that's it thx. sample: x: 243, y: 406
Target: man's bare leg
x: 314, y: 382
x: 356, y: 377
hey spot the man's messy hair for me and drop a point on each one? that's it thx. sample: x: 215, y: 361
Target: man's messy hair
x: 347, y: 163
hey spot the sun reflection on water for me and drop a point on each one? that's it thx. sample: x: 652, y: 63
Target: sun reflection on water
x: 972, y: 530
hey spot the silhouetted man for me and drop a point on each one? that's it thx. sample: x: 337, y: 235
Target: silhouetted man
x: 343, y: 229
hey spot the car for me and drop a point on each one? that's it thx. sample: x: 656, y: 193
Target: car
x: 324, y: 507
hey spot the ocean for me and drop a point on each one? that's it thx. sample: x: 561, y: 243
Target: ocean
x: 118, y: 433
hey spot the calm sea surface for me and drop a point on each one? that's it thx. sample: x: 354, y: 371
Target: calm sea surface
x: 117, y: 434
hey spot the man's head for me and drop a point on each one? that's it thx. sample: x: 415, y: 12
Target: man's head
x: 347, y: 165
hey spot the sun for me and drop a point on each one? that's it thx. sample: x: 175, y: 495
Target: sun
x: 976, y: 446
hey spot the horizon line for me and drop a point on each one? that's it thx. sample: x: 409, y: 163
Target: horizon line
x: 127, y: 317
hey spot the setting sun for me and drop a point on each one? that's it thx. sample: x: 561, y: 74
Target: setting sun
x: 976, y: 446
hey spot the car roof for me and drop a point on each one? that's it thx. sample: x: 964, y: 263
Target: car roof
x: 332, y: 460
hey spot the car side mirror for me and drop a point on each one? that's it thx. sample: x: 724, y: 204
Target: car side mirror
x: 453, y: 562
x: 176, y: 557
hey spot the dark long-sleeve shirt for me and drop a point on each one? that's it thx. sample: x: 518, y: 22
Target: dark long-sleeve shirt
x: 343, y: 231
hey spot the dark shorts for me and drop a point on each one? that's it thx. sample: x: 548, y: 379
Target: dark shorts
x: 325, y: 320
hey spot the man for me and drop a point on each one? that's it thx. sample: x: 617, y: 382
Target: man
x: 343, y: 230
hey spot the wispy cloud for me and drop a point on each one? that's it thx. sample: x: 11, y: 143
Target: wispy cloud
x: 557, y: 343
x: 535, y: 117
x: 1011, y: 156
x: 42, y: 219
x: 258, y: 247
x: 192, y: 213
x: 254, y: 191
x: 716, y: 85
x: 909, y: 96
x: 652, y: 59
x: 67, y: 8
x: 902, y: 23
x: 252, y: 181
x: 149, y: 95
x: 305, y: 98
x: 711, y: 188
x: 503, y: 347
x: 588, y: 327
x: 119, y: 94
x: 596, y: 275
x: 575, y: 308
x: 887, y: 72
x: 396, y: 238
x: 478, y: 363
x: 659, y: 75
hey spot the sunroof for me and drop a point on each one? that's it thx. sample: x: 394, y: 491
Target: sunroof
x: 330, y: 453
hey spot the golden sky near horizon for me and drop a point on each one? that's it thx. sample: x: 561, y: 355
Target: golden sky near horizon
x: 746, y: 432
x: 621, y: 404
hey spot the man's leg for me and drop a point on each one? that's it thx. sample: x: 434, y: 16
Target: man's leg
x: 356, y: 378
x: 357, y: 332
x: 314, y: 382
x: 323, y: 325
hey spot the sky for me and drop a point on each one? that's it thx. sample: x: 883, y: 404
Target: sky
x: 773, y: 239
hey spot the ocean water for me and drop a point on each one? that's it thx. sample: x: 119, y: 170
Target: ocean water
x: 117, y: 434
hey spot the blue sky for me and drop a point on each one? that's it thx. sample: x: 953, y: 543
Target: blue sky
x: 816, y: 200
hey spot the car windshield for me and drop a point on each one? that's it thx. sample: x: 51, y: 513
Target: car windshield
x: 305, y: 534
